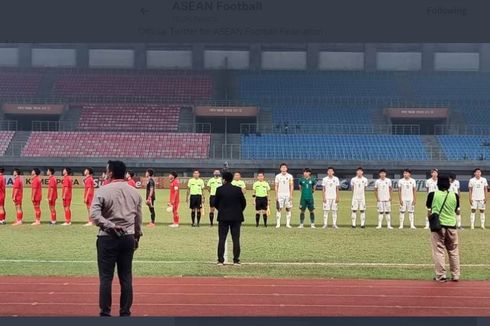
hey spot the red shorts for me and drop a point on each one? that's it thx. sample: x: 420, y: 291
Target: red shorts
x: 67, y: 202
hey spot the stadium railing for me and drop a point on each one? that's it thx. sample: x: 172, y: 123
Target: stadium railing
x: 70, y: 125
x: 8, y: 125
x: 300, y: 128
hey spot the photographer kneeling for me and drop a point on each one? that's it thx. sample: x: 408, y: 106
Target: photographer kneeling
x: 443, y: 206
x: 116, y: 210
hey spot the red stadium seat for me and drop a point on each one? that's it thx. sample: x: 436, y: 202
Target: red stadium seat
x: 120, y: 145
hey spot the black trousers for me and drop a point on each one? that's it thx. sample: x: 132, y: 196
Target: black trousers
x: 112, y: 251
x: 234, y: 228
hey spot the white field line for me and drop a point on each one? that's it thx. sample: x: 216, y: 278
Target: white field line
x: 170, y: 262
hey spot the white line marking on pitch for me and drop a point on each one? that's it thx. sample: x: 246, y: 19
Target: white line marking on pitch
x: 169, y: 262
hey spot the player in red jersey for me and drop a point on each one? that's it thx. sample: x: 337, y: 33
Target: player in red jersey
x: 174, y: 198
x: 129, y: 177
x: 18, y: 195
x: 67, y: 193
x: 52, y: 194
x: 36, y: 194
x: 2, y: 198
x: 88, y: 195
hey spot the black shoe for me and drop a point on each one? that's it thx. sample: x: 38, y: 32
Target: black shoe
x: 440, y: 280
x: 353, y: 226
x: 363, y: 226
x: 198, y: 225
x: 454, y: 279
x: 192, y: 225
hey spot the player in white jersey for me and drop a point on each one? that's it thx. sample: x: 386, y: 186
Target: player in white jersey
x: 358, y: 185
x: 407, y: 194
x: 383, y: 189
x: 331, y: 187
x: 284, y: 187
x: 431, y: 186
x: 455, y: 187
x: 478, y: 187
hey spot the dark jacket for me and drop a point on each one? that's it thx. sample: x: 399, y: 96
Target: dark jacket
x: 230, y: 203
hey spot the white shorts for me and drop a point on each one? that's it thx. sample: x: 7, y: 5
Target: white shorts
x: 384, y: 207
x: 358, y: 204
x: 284, y: 202
x: 478, y: 204
x: 330, y: 205
x: 407, y: 206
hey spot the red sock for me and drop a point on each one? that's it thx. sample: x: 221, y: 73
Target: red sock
x: 53, y: 216
x: 68, y: 215
x: 2, y: 216
x: 20, y: 216
x: 37, y: 212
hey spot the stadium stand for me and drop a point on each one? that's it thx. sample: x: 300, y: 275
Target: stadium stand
x: 129, y: 117
x: 19, y: 84
x: 117, y: 145
x: 464, y: 147
x: 333, y: 147
x: 5, y: 139
x: 255, y: 87
x: 178, y: 88
x: 322, y: 115
x: 449, y: 85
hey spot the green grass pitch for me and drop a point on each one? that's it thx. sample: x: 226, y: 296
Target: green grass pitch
x: 271, y: 252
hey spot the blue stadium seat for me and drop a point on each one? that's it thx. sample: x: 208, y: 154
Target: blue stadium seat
x: 333, y: 147
x: 465, y: 147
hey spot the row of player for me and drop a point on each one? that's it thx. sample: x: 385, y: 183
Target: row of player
x: 284, y: 189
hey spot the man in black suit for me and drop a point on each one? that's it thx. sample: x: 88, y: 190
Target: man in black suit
x: 230, y: 203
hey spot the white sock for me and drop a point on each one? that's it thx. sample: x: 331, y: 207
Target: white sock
x: 354, y: 218
x: 388, y: 220
x: 288, y: 218
x: 426, y: 221
x: 334, y: 218
x: 472, y: 219
x: 482, y: 219
x: 458, y: 218
x: 402, y: 218
x: 363, y: 218
x: 278, y: 218
x: 325, y: 218
x: 411, y: 218
x: 380, y: 220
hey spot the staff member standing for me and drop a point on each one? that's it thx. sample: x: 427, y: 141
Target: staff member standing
x: 446, y: 204
x: 116, y: 210
x: 230, y: 203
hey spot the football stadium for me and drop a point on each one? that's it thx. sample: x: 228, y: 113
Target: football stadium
x: 305, y: 129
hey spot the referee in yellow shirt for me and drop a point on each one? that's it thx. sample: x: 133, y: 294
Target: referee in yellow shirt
x: 194, y: 197
x: 261, y: 190
x: 212, y: 185
x: 238, y: 182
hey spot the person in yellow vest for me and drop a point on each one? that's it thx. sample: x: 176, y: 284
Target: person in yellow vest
x: 194, y: 197
x: 261, y: 190
x: 238, y: 182
x: 212, y: 185
x: 445, y: 203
